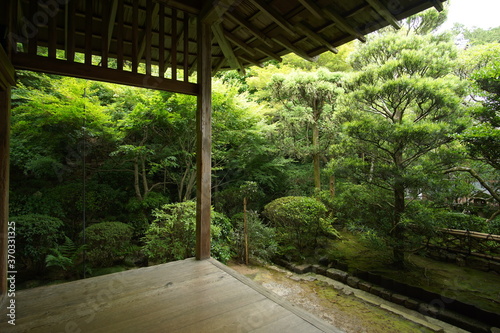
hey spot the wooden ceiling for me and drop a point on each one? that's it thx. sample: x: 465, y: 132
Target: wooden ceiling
x: 159, y: 37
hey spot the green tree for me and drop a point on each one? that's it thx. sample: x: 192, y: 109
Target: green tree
x: 308, y: 101
x: 403, y: 105
x: 482, y: 140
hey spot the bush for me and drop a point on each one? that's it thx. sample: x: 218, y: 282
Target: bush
x: 299, y: 221
x: 108, y: 242
x: 35, y: 236
x: 172, y: 235
x: 460, y: 221
x: 261, y: 239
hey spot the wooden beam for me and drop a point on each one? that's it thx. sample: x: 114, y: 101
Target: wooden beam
x: 292, y: 48
x: 70, y: 30
x: 88, y: 32
x: 185, y: 29
x: 438, y: 5
x: 105, y: 34
x: 214, y: 10
x: 112, y: 20
x: 7, y: 71
x: 190, y: 6
x: 344, y: 25
x: 276, y: 16
x: 7, y: 79
x: 174, y: 41
x: 154, y: 15
x: 161, y: 41
x: 32, y: 43
x: 312, y: 9
x: 204, y: 141
x: 226, y: 47
x: 316, y: 37
x: 149, y: 33
x: 250, y: 27
x: 4, y: 188
x: 382, y: 10
x: 135, y: 35
x: 268, y: 52
x: 241, y: 44
x: 251, y: 61
x: 119, y: 37
x: 341, y: 23
x: 52, y: 36
x: 62, y: 67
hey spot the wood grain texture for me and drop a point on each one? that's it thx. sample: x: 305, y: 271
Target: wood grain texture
x: 204, y: 142
x: 182, y: 296
x: 4, y: 185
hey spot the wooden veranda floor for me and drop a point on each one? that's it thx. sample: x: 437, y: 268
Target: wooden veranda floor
x: 182, y: 296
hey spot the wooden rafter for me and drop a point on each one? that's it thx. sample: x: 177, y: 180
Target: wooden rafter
x: 315, y: 10
x: 112, y: 20
x: 314, y: 36
x: 161, y: 41
x: 119, y: 40
x: 438, y: 5
x: 250, y: 27
x: 154, y: 17
x: 251, y: 61
x: 341, y: 22
x: 226, y: 47
x: 382, y: 10
x: 135, y: 34
x: 213, y: 11
x: 175, y: 39
x: 292, y: 48
x: 88, y: 32
x: 69, y: 32
x: 344, y: 25
x: 189, y: 6
x: 241, y: 44
x: 275, y: 16
x: 268, y: 52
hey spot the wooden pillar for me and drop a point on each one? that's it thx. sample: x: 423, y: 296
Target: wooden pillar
x: 4, y: 186
x: 204, y: 141
x: 7, y: 75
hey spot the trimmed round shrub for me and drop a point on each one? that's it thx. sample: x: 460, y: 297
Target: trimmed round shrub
x: 107, y: 242
x: 36, y: 235
x: 299, y: 221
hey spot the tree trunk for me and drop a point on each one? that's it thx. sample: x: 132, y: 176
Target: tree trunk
x: 397, y: 232
x: 245, y: 228
x: 332, y: 186
x: 316, y: 156
x: 136, y: 179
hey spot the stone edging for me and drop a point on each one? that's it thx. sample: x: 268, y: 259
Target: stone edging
x: 436, y: 308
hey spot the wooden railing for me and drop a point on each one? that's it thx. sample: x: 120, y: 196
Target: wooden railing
x: 470, y: 243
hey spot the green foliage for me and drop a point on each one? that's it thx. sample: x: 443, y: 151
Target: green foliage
x: 172, y: 235
x: 407, y: 106
x: 478, y: 36
x: 261, y: 238
x: 299, y: 221
x: 67, y: 257
x: 460, y: 221
x: 108, y: 242
x: 427, y: 21
x: 36, y: 235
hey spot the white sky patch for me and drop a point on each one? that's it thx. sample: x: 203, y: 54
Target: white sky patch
x: 483, y: 14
